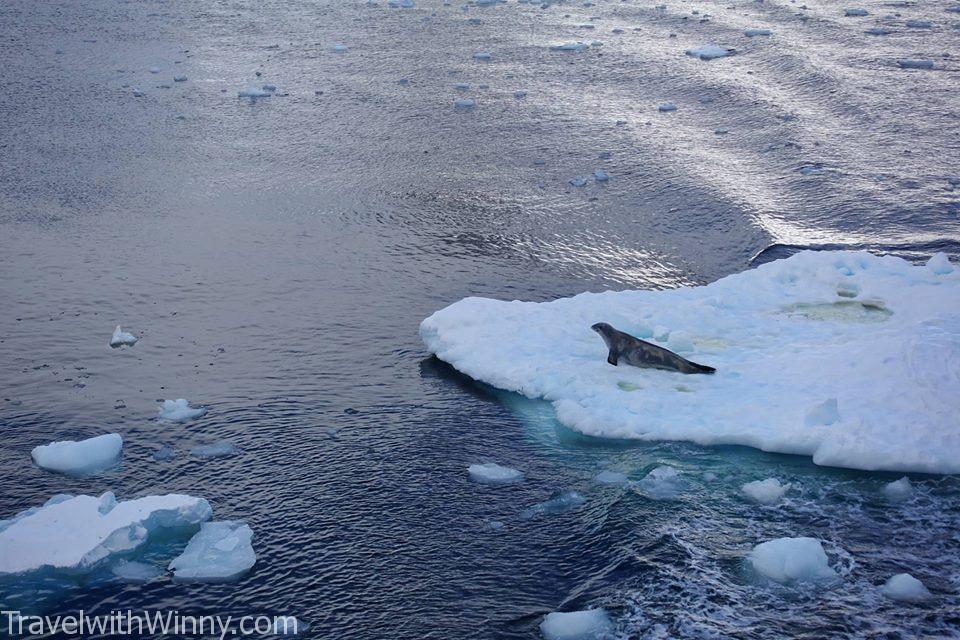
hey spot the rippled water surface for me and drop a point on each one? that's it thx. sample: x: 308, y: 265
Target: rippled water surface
x: 277, y: 255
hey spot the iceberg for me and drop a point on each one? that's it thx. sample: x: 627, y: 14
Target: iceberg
x: 878, y: 335
x: 219, y: 552
x: 905, y: 588
x: 709, y: 52
x: 788, y: 560
x: 79, y: 458
x: 179, y: 411
x: 592, y: 624
x: 765, y: 492
x: 75, y: 534
x: 122, y: 338
x: 491, y: 473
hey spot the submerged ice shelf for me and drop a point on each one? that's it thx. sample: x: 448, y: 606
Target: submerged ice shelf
x: 847, y: 357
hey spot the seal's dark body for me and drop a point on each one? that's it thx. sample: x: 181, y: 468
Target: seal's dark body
x: 634, y: 351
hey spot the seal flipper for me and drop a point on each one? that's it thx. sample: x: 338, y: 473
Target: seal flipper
x: 613, y: 357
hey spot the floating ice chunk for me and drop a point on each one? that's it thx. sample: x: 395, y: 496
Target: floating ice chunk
x: 79, y: 532
x: 752, y: 33
x: 709, y: 52
x: 130, y: 571
x: 215, y: 450
x: 253, y: 92
x: 219, y: 552
x: 825, y: 413
x: 519, y: 93
x: 904, y: 587
x: 908, y: 63
x: 919, y: 24
x: 878, y: 31
x: 560, y: 502
x: 339, y: 48
x: 899, y: 490
x: 610, y: 477
x: 79, y: 458
x: 154, y: 69
x: 121, y: 338
x: 494, y: 525
x: 664, y: 108
x: 288, y: 626
x: 491, y: 473
x: 464, y: 103
x: 663, y: 483
x: 578, y: 181
x: 180, y: 78
x: 592, y: 624
x: 766, y: 492
x: 462, y: 86
x: 166, y: 452
x: 570, y: 46
x: 600, y: 175
x: 855, y: 13
x: 939, y: 264
x: 787, y: 560
x: 179, y: 411
x: 720, y: 132
x: 482, y: 55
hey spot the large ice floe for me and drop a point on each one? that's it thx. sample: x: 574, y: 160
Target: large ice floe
x: 79, y: 458
x: 220, y: 552
x: 75, y: 534
x: 847, y: 357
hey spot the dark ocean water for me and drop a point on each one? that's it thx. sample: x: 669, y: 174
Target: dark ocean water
x: 276, y: 256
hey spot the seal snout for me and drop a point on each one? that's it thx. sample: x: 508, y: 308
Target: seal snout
x: 601, y: 327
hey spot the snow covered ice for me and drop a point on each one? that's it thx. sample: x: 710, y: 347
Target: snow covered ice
x: 766, y: 492
x: 79, y: 458
x: 491, y: 473
x: 905, y: 588
x: 74, y: 534
x: 592, y: 624
x: 179, y: 411
x: 785, y: 337
x: 219, y: 552
x: 788, y: 560
x: 121, y: 338
x: 708, y: 52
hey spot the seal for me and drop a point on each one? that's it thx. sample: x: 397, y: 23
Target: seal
x: 634, y: 351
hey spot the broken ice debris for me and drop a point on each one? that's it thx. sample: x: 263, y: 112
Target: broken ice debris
x: 121, y: 338
x: 482, y: 55
x: 905, y: 588
x: 80, y: 532
x: 708, y: 52
x: 180, y: 78
x: 751, y: 33
x: 216, y: 450
x: 663, y: 483
x: 578, y: 181
x: 464, y: 103
x: 570, y: 46
x: 591, y: 624
x: 560, y: 502
x: 855, y: 13
x: 908, y: 63
x: 600, y: 175
x: 339, y: 48
x: 491, y: 473
x: 179, y: 411
x: 667, y: 107
x: 788, y: 560
x: 253, y: 92
x: 766, y: 492
x: 519, y: 93
x: 130, y: 571
x: 219, y: 552
x: 899, y: 490
x: 79, y: 458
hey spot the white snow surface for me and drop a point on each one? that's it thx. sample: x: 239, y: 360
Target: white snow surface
x: 219, y: 552
x: 592, y: 624
x: 79, y: 457
x: 492, y: 473
x: 788, y: 560
x: 905, y: 588
x: 792, y: 341
x: 74, y: 534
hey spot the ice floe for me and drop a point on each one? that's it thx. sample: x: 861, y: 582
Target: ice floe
x: 219, y: 552
x: 560, y: 502
x: 899, y: 490
x: 785, y: 337
x: 79, y: 458
x: 709, y: 52
x: 766, y: 492
x: 74, y: 534
x: 592, y: 624
x: 905, y: 588
x: 121, y: 338
x: 179, y: 411
x: 491, y: 473
x: 788, y: 560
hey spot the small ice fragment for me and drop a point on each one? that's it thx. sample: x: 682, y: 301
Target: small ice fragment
x: 667, y: 107
x: 610, y: 477
x: 288, y: 626
x: 166, y: 452
x: 461, y: 86
x: 560, y: 502
x: 154, y: 69
x: 720, y: 132
x: 482, y: 55
x: 899, y: 490
x: 904, y: 587
x: 710, y: 476
x: 663, y: 483
x: 578, y: 181
x: 591, y: 624
x: 855, y: 13
x: 219, y: 552
x: 464, y: 103
x: 825, y: 413
x: 919, y: 24
x: 787, y: 560
x: 130, y: 571
x: 908, y: 63
x: 179, y: 411
x: 519, y: 93
x: 121, y: 338
x: 600, y: 175
x: 570, y: 46
x: 339, y: 48
x: 215, y: 450
x: 272, y: 88
x: 180, y: 78
x: 253, y: 92
x: 495, y: 525
x: 751, y: 33
x: 767, y: 492
x: 709, y: 52
x: 878, y: 31
x: 939, y: 264
x: 491, y: 473
x: 79, y: 458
